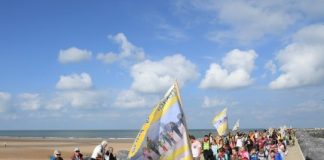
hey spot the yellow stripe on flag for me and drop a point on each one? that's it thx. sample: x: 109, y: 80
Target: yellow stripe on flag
x: 178, y: 152
x: 221, y: 114
x: 165, y: 109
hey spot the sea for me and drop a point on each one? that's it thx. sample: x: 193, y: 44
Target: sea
x: 100, y: 134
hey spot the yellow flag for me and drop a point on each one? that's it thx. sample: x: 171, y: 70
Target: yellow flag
x: 164, y: 134
x: 220, y: 122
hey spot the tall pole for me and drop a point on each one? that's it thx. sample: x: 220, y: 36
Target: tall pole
x: 184, y: 118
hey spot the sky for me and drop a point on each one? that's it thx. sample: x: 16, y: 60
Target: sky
x: 105, y: 64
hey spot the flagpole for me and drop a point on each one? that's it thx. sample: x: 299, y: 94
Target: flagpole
x: 228, y: 131
x: 178, y: 91
x: 184, y: 118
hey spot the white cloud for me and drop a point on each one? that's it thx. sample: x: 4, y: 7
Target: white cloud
x: 238, y: 66
x: 130, y: 99
x: 213, y: 102
x: 29, y: 101
x: 271, y: 67
x: 82, y: 99
x: 252, y: 20
x: 75, y: 81
x: 245, y: 21
x: 128, y: 51
x: 310, y: 35
x: 4, y: 101
x: 157, y: 76
x: 73, y: 54
x: 302, y: 61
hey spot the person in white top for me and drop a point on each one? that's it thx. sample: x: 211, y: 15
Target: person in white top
x: 282, y: 149
x: 195, y: 147
x: 99, y: 151
x: 239, y: 142
x: 256, y: 134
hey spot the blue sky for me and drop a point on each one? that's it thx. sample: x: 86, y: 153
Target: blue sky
x: 105, y: 64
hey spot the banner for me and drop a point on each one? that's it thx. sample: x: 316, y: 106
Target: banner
x: 164, y: 134
x: 220, y: 122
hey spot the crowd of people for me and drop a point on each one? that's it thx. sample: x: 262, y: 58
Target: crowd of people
x: 99, y: 153
x: 254, y: 145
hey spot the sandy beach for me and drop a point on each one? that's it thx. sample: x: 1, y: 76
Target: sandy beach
x: 40, y: 149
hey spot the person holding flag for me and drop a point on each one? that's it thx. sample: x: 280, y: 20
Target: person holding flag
x: 206, y: 147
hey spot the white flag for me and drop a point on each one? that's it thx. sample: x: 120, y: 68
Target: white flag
x: 236, y: 125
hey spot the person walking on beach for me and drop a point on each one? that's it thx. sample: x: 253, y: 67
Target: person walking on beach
x: 56, y: 155
x: 110, y: 154
x: 220, y: 143
x: 77, y: 155
x: 214, y: 148
x: 281, y: 149
x: 222, y: 155
x: 239, y: 141
x: 249, y: 144
x: 262, y: 155
x: 277, y: 155
x: 243, y: 153
x: 208, y: 153
x: 195, y: 148
x: 254, y: 154
x: 99, y: 151
x: 211, y: 139
x: 234, y: 155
